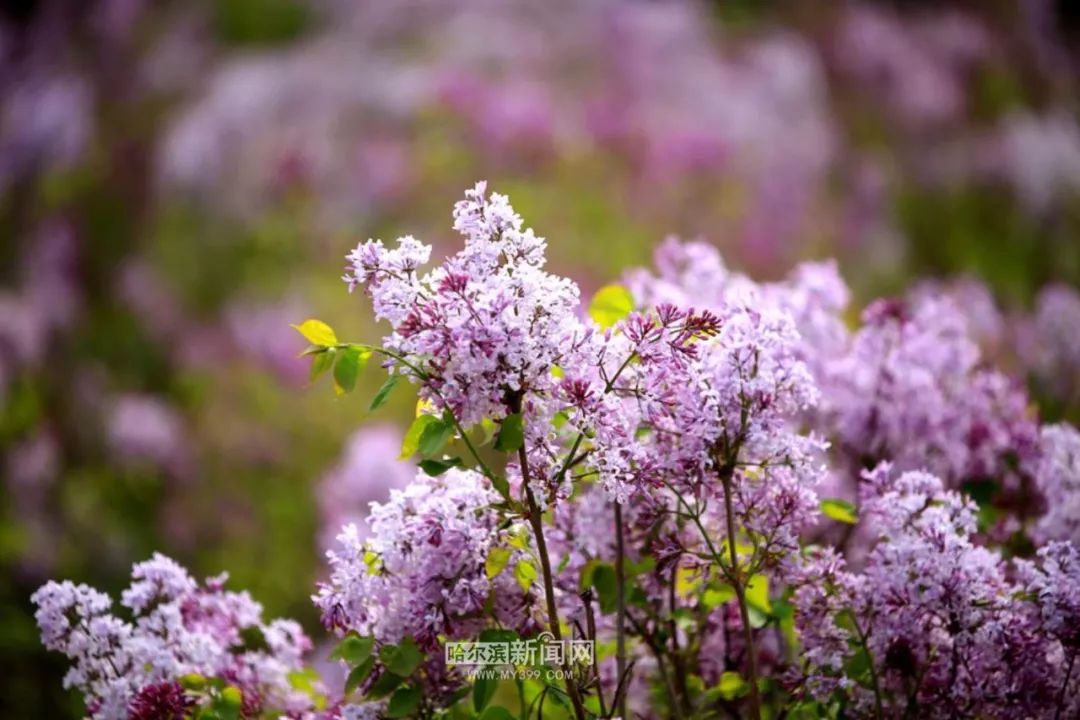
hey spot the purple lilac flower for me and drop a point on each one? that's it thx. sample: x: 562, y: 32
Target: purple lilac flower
x: 1058, y: 479
x: 487, y: 325
x: 910, y: 389
x: 177, y: 628
x: 933, y: 614
x: 422, y: 571
x: 143, y: 429
x: 1048, y: 344
x: 915, y: 67
x: 693, y: 274
x: 259, y: 331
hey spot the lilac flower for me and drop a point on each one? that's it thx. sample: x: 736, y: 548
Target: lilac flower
x: 1040, y: 158
x: 130, y: 668
x: 47, y: 121
x: 973, y: 299
x: 1048, y: 346
x: 143, y: 429
x: 1053, y: 580
x: 910, y: 389
x: 422, y: 572
x: 693, y: 274
x: 161, y: 701
x: 1058, y: 479
x: 931, y: 615
x: 263, y: 333
x: 486, y: 326
x: 914, y: 67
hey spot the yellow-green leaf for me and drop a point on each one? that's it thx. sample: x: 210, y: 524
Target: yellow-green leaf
x: 525, y: 573
x: 496, y: 561
x: 732, y: 685
x: 350, y: 363
x: 384, y: 392
x: 317, y: 332
x: 610, y: 304
x: 411, y: 443
x: 321, y: 363
x: 717, y: 595
x: 839, y: 510
x: 687, y: 581
x: 757, y: 594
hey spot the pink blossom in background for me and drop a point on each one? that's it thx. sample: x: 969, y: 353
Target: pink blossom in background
x: 144, y: 430
x: 366, y: 472
x: 263, y: 333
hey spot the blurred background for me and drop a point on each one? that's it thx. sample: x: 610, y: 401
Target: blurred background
x: 180, y: 180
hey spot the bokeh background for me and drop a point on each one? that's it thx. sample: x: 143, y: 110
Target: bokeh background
x: 180, y: 180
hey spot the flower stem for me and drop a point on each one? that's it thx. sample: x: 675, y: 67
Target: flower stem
x: 620, y: 608
x: 739, y: 584
x: 537, y: 523
x: 879, y: 711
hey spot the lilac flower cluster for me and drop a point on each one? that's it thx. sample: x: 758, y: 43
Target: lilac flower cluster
x: 910, y: 389
x: 1048, y: 346
x: 909, y: 386
x: 422, y: 572
x: 487, y: 324
x: 1058, y: 480
x: 179, y: 632
x: 931, y: 619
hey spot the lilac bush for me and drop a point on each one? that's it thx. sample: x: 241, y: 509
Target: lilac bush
x: 748, y: 505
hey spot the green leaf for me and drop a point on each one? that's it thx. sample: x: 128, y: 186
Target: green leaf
x: 434, y: 468
x: 386, y: 684
x: 321, y: 363
x: 717, y: 595
x: 306, y: 681
x: 353, y: 650
x: 496, y: 712
x: 604, y: 580
x: 839, y: 510
x: 857, y: 666
x: 497, y: 560
x: 757, y: 594
x: 252, y: 639
x: 384, y: 392
x: 483, y: 691
x: 500, y: 635
x: 404, y: 702
x: 511, y: 434
x: 434, y: 437
x: 411, y: 444
x: 316, y: 332
x: 525, y: 573
x: 731, y: 686
x: 401, y: 659
x: 359, y: 674
x: 502, y: 486
x: 633, y: 569
x: 229, y: 703
x: 349, y: 363
x: 610, y: 304
x: 585, y: 578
